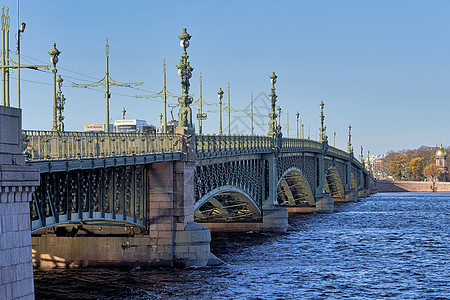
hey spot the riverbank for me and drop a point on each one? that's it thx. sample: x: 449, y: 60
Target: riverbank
x: 386, y: 186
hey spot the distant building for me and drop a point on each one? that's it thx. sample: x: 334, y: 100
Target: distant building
x: 133, y: 126
x: 375, y: 165
x: 441, y: 157
x: 94, y: 127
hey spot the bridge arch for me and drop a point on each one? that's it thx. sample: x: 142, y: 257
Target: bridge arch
x: 293, y: 189
x: 227, y: 203
x: 333, y: 183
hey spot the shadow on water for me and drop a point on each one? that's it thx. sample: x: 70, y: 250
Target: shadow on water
x: 385, y: 246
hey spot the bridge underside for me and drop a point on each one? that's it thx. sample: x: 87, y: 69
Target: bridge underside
x: 294, y: 192
x: 333, y: 184
x: 228, y: 206
x: 109, y: 195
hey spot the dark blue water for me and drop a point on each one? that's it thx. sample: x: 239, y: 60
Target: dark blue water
x: 385, y: 246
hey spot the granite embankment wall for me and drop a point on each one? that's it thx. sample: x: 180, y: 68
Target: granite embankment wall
x: 385, y: 186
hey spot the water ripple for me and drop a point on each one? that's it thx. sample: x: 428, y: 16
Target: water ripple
x: 385, y: 246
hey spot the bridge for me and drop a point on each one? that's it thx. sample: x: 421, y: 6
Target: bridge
x: 151, y: 185
x: 133, y: 198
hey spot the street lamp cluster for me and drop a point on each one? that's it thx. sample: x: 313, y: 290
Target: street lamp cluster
x: 220, y: 95
x: 58, y: 98
x: 185, y: 100
x: 185, y: 73
x: 54, y: 58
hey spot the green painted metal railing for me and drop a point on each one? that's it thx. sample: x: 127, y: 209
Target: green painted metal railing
x: 232, y: 144
x: 298, y: 145
x: 338, y: 152
x: 51, y: 145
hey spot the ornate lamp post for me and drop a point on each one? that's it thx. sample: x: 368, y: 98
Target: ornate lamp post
x: 322, y: 133
x: 349, y: 144
x: 185, y: 72
x: 297, y: 115
x: 54, y: 54
x: 361, y: 156
x: 273, y: 100
x: 334, y: 139
x: 220, y: 96
x: 61, y: 101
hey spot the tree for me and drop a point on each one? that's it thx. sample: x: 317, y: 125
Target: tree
x: 432, y: 171
x: 398, y: 165
x: 415, y: 169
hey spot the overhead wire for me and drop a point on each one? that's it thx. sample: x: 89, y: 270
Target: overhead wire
x: 95, y: 78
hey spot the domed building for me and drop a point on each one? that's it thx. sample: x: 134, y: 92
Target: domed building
x: 441, y: 159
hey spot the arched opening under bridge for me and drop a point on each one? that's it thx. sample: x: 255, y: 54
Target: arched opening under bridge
x: 333, y: 184
x: 294, y: 192
x: 229, y: 209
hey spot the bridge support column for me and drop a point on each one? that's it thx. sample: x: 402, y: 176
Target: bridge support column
x: 351, y: 196
x: 17, y: 183
x: 177, y: 238
x: 362, y: 193
x: 275, y: 218
x: 324, y: 202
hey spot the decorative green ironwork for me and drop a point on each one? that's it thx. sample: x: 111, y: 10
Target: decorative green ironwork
x: 273, y: 100
x: 349, y: 144
x: 361, y: 157
x: 106, y: 194
x: 229, y: 145
x: 185, y: 72
x: 48, y: 145
x: 54, y: 57
x: 220, y: 96
x: 322, y: 134
x: 115, y: 192
x: 60, y: 102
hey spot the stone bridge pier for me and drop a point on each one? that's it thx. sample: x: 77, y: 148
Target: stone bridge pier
x: 17, y: 183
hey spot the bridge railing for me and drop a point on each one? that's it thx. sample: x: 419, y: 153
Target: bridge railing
x: 224, y: 145
x: 52, y: 145
x: 293, y: 145
x: 338, y: 152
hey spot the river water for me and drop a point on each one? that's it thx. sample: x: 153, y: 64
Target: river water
x: 392, y: 245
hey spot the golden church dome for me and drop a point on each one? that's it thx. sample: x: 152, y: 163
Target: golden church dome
x: 441, y: 152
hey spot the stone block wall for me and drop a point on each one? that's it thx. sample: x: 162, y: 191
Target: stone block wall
x: 17, y: 183
x: 384, y: 186
x: 16, y: 269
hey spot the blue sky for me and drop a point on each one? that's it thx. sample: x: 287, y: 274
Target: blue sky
x: 381, y: 66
